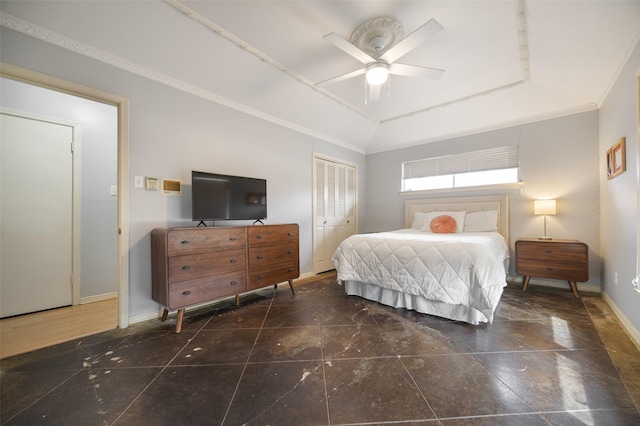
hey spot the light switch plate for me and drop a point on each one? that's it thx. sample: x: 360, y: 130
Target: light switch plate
x: 138, y: 182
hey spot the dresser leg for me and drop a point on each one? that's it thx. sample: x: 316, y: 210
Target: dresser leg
x: 291, y: 285
x: 574, y: 289
x: 525, y: 283
x: 237, y: 300
x: 165, y: 313
x: 179, y: 320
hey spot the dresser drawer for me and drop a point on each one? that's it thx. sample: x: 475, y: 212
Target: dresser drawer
x: 186, y: 293
x: 198, y: 240
x: 262, y: 256
x: 570, y: 271
x: 193, y: 266
x: 265, y: 235
x: 261, y: 278
x: 574, y: 252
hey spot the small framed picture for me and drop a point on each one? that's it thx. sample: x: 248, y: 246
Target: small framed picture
x: 616, y: 159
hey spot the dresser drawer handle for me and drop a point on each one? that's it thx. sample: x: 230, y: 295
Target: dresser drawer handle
x: 186, y: 268
x: 290, y: 269
x: 233, y: 283
x: 290, y: 252
x: 259, y: 236
x: 232, y: 239
x: 549, y: 269
x: 184, y: 242
x: 290, y: 234
x: 259, y: 257
x: 186, y: 293
x: 549, y: 251
x: 260, y: 277
x: 233, y: 261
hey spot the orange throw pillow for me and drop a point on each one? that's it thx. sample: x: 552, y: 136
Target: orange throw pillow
x: 443, y: 224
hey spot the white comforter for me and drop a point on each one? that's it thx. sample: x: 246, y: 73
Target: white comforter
x: 467, y: 269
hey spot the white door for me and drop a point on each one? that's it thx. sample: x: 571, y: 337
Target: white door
x: 35, y: 215
x: 334, y: 210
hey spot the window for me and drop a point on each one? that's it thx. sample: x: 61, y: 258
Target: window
x: 485, y: 167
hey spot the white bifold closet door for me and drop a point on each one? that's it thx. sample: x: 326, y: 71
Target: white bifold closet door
x: 334, y: 209
x: 36, y: 196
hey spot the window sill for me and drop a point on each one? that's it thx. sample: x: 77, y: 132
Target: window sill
x: 514, y: 185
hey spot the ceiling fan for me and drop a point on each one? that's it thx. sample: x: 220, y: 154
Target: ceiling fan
x: 378, y: 43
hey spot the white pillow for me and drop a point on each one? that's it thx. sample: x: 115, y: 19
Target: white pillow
x: 457, y: 215
x: 482, y: 221
x: 418, y: 220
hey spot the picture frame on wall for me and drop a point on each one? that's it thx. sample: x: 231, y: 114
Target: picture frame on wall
x: 616, y: 159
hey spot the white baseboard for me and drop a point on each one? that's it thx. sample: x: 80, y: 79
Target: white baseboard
x: 517, y: 279
x: 98, y: 298
x: 157, y: 314
x: 626, y: 324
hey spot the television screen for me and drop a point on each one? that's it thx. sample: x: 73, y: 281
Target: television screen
x: 223, y: 197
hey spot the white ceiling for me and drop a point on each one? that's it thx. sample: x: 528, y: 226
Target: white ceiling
x: 264, y: 58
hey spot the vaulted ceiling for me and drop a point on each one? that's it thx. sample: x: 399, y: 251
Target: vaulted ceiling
x: 505, y: 62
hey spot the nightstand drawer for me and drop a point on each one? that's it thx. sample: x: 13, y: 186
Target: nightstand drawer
x: 570, y: 271
x: 573, y: 252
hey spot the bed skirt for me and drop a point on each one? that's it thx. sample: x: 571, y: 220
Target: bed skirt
x: 397, y: 299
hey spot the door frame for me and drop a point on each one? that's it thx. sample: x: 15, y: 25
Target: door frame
x: 76, y: 254
x: 122, y: 104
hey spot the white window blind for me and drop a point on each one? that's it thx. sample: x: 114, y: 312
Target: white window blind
x: 419, y: 172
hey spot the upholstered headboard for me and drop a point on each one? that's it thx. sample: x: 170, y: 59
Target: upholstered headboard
x: 470, y: 204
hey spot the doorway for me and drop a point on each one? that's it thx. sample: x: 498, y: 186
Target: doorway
x: 119, y: 188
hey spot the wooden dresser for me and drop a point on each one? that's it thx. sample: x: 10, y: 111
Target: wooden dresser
x: 555, y: 259
x: 191, y: 266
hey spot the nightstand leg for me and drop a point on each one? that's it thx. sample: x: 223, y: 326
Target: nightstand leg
x: 574, y: 289
x: 525, y: 283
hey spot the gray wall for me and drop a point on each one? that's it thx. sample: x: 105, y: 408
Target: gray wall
x: 172, y: 133
x: 98, y: 149
x: 619, y: 201
x: 558, y: 159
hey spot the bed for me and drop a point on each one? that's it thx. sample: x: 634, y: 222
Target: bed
x: 450, y: 260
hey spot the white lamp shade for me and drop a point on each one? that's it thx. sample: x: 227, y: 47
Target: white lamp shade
x: 377, y: 73
x: 544, y: 207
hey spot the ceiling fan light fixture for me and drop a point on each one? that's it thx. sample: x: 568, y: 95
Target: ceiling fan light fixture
x: 377, y: 73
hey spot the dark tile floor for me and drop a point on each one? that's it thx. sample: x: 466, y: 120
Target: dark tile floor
x: 321, y: 357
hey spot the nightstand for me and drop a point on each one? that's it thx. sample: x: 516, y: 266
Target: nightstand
x: 555, y: 259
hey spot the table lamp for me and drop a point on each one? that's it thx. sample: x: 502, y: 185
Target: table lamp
x: 545, y: 208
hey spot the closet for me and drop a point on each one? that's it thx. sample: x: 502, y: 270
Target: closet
x: 335, y: 209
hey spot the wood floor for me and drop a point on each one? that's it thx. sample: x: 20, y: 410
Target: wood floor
x: 26, y: 333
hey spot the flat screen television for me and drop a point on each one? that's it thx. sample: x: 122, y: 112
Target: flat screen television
x: 223, y: 197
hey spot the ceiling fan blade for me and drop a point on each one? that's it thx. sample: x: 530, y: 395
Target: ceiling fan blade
x: 349, y: 48
x: 415, y: 71
x: 373, y: 93
x: 341, y: 77
x: 412, y: 41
